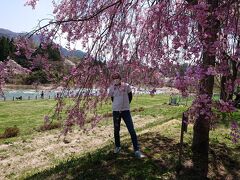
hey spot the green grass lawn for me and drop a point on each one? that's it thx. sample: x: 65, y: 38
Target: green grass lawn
x: 27, y: 115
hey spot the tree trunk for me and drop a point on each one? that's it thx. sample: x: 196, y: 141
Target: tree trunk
x: 223, y: 94
x: 200, y: 144
x: 233, y: 70
x: 200, y: 147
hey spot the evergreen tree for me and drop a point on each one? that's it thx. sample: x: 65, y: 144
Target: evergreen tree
x: 52, y: 52
x: 4, y: 48
x: 12, y: 48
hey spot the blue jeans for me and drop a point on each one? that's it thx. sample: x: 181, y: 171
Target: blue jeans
x: 117, y: 115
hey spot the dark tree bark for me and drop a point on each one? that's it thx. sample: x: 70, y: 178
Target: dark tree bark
x: 200, y: 144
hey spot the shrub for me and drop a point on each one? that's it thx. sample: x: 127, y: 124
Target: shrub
x: 138, y: 109
x: 49, y: 126
x: 10, y: 132
x: 106, y: 115
x: 37, y: 76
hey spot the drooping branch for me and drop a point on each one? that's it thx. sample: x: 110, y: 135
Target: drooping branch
x: 99, y: 11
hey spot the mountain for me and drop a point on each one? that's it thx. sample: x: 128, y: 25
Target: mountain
x: 73, y: 53
x: 64, y: 51
x: 9, y: 34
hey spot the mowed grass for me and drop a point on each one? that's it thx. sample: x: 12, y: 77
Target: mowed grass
x: 29, y: 115
x: 26, y: 115
x: 152, y: 105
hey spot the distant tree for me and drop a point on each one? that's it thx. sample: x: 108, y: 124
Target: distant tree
x: 4, y: 48
x: 23, y: 61
x: 227, y: 81
x: 12, y: 48
x: 50, y: 50
x: 53, y: 53
x: 37, y: 76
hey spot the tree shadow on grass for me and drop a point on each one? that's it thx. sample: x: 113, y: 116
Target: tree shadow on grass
x: 224, y: 161
x: 104, y: 164
x: 161, y: 163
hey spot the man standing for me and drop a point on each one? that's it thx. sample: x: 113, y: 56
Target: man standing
x: 121, y: 96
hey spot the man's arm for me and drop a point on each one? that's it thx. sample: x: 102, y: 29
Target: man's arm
x: 129, y: 91
x: 130, y: 97
x: 110, y: 93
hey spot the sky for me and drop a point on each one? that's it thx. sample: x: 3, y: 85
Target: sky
x: 19, y: 18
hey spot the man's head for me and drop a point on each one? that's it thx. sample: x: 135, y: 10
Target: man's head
x: 116, y: 77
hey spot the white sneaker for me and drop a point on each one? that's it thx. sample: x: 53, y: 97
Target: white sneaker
x: 117, y: 150
x: 138, y: 154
